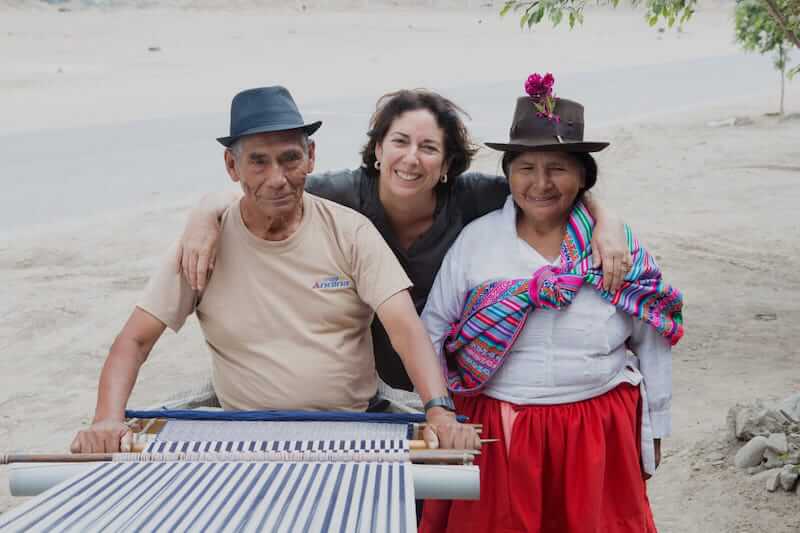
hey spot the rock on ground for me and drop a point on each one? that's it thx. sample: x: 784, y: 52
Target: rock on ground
x: 773, y: 479
x: 752, y: 453
x: 748, y: 421
x: 791, y: 406
x: 774, y: 460
x: 777, y: 443
x: 788, y: 477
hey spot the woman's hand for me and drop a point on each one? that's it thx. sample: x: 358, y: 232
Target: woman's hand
x: 657, y: 449
x: 197, y: 249
x: 444, y: 431
x: 610, y: 250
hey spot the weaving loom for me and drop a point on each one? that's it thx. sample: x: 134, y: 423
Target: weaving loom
x: 235, y: 475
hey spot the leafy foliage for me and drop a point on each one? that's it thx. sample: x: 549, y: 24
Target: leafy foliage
x: 535, y: 11
x: 757, y: 30
x: 760, y: 30
x: 761, y: 25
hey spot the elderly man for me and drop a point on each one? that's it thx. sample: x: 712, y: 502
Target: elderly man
x: 287, y: 314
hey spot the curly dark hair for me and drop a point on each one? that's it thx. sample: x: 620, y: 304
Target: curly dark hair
x: 458, y: 148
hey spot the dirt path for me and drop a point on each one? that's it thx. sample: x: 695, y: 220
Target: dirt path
x: 716, y: 205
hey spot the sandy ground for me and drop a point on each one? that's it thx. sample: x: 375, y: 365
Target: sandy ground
x: 716, y: 205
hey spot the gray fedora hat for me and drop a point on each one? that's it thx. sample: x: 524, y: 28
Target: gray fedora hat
x: 532, y: 131
x: 265, y: 110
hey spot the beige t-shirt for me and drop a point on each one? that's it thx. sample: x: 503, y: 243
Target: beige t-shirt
x: 288, y: 322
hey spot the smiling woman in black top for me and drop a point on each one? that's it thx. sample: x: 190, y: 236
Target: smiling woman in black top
x: 412, y: 185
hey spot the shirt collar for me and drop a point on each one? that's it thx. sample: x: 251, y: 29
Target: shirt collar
x: 526, y: 251
x: 510, y: 215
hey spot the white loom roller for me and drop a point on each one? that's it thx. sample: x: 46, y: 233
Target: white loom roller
x: 440, y: 482
x: 430, y: 481
x: 31, y: 479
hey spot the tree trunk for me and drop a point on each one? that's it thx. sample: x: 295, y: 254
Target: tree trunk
x: 783, y: 86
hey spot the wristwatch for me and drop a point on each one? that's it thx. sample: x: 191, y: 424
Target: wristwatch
x: 445, y: 402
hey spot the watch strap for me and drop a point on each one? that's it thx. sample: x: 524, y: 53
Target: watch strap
x: 445, y: 402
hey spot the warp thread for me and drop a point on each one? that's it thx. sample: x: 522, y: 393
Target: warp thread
x: 373, y: 456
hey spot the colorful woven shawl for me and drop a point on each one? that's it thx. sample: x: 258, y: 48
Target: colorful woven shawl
x: 495, y: 312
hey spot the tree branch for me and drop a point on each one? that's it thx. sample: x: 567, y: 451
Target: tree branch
x: 782, y: 22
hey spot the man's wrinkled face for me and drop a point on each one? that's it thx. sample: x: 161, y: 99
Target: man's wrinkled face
x: 271, y: 169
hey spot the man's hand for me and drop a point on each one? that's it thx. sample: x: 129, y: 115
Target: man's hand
x: 104, y: 436
x: 444, y: 431
x: 197, y: 250
x: 610, y: 250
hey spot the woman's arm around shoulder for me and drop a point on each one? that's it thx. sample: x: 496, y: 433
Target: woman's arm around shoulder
x: 610, y: 248
x: 197, y: 249
x: 479, y: 194
x: 340, y: 186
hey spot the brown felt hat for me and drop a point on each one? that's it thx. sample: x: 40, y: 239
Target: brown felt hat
x: 530, y: 131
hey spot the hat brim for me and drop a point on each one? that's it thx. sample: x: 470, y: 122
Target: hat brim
x: 566, y: 146
x: 309, y: 129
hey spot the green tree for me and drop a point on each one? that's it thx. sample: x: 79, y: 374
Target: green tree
x: 763, y: 26
x: 535, y: 11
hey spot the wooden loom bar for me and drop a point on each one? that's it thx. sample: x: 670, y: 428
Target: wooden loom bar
x: 416, y: 456
x: 422, y: 445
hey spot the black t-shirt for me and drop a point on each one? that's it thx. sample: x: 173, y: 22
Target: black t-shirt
x: 470, y: 196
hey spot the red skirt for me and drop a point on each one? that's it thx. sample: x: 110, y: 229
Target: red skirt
x: 570, y: 468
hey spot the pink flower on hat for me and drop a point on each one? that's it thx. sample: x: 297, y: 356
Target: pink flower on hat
x: 538, y: 86
x: 540, y: 89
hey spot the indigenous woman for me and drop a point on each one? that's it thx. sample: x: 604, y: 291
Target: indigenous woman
x: 536, y: 349
x: 412, y: 186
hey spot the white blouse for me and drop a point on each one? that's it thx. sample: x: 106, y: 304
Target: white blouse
x: 561, y: 356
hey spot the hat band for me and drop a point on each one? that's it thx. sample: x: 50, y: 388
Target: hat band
x: 542, y: 141
x: 526, y: 131
x: 265, y: 118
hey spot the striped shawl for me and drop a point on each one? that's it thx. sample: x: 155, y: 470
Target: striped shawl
x: 495, y: 312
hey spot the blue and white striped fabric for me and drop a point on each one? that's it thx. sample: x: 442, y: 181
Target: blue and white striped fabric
x: 226, y: 496
x: 230, y: 430
x: 362, y: 445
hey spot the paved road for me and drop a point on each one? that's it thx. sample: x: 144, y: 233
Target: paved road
x: 56, y: 175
